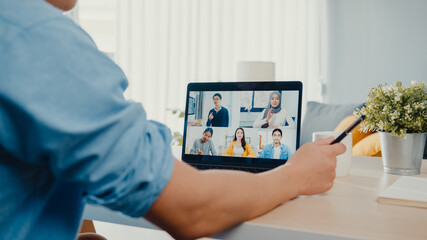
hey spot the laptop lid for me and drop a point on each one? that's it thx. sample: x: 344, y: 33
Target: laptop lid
x: 248, y: 125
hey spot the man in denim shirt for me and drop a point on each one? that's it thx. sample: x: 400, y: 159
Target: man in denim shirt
x: 69, y: 137
x: 276, y: 150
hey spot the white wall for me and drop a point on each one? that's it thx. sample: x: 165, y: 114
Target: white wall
x: 290, y: 103
x: 372, y: 42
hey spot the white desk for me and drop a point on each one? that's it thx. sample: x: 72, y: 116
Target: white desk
x: 349, y: 210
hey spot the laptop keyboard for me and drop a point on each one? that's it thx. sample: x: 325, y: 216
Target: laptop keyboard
x: 226, y: 167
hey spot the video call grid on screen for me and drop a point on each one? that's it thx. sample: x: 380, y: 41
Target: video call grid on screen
x: 241, y: 109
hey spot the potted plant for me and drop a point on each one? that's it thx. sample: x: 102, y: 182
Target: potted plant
x: 177, y: 137
x: 400, y: 115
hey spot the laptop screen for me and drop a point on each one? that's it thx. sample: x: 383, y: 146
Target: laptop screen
x: 253, y: 124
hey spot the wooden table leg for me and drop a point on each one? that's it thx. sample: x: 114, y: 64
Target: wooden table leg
x: 87, y: 227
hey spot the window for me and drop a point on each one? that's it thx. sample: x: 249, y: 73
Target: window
x: 99, y: 19
x: 254, y: 101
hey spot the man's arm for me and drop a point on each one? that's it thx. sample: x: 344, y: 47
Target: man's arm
x: 193, y: 149
x: 262, y: 154
x: 201, y: 203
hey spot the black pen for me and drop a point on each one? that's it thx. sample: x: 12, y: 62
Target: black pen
x: 348, y: 130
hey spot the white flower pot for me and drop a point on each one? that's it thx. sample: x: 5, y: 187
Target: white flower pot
x: 402, y: 156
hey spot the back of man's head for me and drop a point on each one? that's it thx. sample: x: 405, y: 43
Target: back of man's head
x: 65, y: 5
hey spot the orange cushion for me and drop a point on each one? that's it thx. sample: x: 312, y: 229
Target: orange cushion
x: 357, y: 135
x: 369, y: 146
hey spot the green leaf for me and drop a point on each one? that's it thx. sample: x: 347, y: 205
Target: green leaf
x: 396, y: 109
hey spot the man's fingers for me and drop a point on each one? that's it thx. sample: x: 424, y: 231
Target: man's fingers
x: 337, y: 148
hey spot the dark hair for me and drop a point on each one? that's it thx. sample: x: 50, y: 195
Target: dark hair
x: 208, y: 130
x: 243, y: 139
x: 217, y: 94
x: 277, y: 130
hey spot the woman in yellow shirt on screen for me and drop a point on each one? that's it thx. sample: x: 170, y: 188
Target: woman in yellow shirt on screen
x: 239, y: 147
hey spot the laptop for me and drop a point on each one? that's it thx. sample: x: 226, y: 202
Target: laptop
x: 248, y: 126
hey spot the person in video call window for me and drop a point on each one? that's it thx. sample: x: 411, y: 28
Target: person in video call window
x: 273, y: 115
x: 218, y: 116
x: 204, y: 146
x: 276, y: 150
x: 239, y: 147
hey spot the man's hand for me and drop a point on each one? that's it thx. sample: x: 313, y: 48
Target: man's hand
x: 211, y: 116
x: 313, y: 166
x: 197, y: 204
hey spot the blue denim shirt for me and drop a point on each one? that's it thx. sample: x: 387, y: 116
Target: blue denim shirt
x: 67, y: 134
x: 268, y: 152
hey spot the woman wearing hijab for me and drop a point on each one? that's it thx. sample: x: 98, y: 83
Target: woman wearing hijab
x: 273, y: 116
x: 239, y: 147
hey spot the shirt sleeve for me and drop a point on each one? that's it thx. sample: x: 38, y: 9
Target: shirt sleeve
x: 289, y: 119
x: 259, y: 121
x: 289, y: 151
x: 193, y: 149
x: 262, y: 154
x: 62, y: 108
x: 251, y: 152
x: 229, y: 150
x: 212, y: 148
